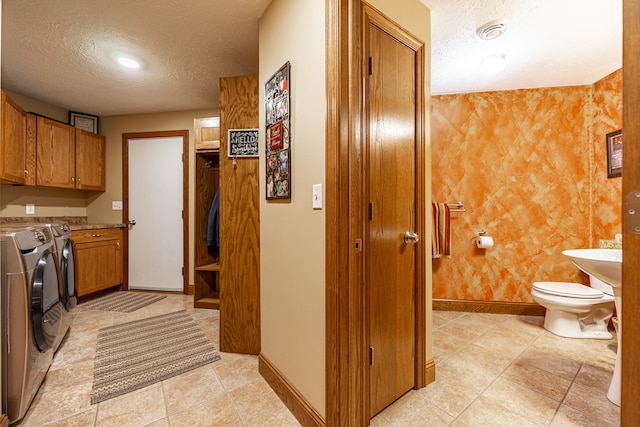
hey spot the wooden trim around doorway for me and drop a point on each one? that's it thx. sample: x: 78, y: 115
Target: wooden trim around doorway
x: 185, y: 198
x: 630, y: 185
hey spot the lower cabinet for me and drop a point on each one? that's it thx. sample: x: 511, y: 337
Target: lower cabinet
x: 98, y: 256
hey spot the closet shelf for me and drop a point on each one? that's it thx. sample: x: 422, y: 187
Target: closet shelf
x: 209, y: 267
x: 211, y: 301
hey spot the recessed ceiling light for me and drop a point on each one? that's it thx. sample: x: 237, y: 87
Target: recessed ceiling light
x: 491, y: 30
x: 493, y: 64
x: 128, y: 62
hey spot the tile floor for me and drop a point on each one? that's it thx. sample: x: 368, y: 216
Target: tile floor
x: 492, y: 370
x: 505, y: 370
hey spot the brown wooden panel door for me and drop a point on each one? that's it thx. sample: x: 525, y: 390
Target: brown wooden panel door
x: 56, y: 158
x: 13, y: 166
x: 90, y: 161
x: 391, y: 169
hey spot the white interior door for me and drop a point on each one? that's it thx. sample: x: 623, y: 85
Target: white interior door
x: 155, y: 204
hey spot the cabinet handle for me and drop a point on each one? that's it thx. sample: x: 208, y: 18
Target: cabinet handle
x: 96, y: 235
x: 26, y: 173
x: 78, y: 181
x: 73, y: 180
x: 118, y: 245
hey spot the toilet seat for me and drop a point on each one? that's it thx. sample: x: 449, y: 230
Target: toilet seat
x: 566, y: 289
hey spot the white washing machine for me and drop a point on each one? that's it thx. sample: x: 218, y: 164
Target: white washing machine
x: 31, y: 313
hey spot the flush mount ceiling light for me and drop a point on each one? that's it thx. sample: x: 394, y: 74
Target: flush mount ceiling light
x: 491, y: 30
x: 128, y: 62
x: 493, y: 64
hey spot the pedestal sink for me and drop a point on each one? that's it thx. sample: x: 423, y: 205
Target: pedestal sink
x: 606, y: 265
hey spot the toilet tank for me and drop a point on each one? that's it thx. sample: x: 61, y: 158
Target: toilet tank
x: 600, y: 285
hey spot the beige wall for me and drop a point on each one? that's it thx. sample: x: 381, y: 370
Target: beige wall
x: 292, y: 236
x: 291, y: 232
x: 40, y: 107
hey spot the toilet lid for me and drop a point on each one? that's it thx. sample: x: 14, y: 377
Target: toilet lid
x: 565, y: 289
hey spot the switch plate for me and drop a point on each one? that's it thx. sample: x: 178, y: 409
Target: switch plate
x: 116, y: 205
x: 317, y: 196
x: 31, y: 209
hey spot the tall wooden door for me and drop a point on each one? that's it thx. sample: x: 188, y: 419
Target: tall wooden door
x: 391, y: 182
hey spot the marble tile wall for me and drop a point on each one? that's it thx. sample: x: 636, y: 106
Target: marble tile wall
x: 526, y: 164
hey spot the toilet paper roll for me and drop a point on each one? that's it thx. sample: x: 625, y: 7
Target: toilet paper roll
x: 484, y: 242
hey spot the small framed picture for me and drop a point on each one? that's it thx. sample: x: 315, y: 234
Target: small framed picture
x: 614, y: 154
x: 83, y: 121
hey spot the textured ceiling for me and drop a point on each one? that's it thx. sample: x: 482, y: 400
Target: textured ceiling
x: 548, y: 43
x: 60, y: 51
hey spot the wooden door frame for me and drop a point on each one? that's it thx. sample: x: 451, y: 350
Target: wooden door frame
x: 630, y: 184
x: 185, y: 197
x: 347, y: 367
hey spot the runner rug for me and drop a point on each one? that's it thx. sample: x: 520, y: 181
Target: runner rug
x: 136, y: 354
x: 124, y: 302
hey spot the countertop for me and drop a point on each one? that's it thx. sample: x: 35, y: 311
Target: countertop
x: 94, y: 226
x: 75, y: 223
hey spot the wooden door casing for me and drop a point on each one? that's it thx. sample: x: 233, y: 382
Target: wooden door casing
x: 630, y: 185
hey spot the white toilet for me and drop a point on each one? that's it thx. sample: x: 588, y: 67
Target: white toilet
x: 575, y: 310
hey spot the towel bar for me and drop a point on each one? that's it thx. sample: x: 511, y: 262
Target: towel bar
x: 456, y: 207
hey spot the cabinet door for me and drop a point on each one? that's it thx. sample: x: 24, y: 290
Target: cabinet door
x: 98, y: 265
x: 13, y: 164
x: 55, y: 154
x: 90, y: 161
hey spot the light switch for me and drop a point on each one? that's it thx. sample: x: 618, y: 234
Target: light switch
x: 31, y: 209
x: 116, y: 205
x: 317, y: 196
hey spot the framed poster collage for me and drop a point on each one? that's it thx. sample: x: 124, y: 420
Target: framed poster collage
x: 278, y: 137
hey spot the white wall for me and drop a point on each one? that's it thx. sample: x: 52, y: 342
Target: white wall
x: 292, y: 234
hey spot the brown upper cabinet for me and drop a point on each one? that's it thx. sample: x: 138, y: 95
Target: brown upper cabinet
x: 17, y: 162
x: 68, y: 157
x: 90, y: 161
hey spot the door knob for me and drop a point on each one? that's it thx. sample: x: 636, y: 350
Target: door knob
x: 410, y: 237
x: 131, y: 223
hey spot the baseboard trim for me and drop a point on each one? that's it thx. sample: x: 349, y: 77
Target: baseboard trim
x: 299, y: 407
x: 430, y: 371
x: 495, y: 307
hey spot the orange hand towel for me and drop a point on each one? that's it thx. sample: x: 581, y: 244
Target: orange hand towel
x: 441, y: 235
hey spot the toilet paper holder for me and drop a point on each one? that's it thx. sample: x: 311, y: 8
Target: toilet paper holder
x: 481, y: 233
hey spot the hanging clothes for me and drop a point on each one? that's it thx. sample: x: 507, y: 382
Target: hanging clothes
x: 213, y: 225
